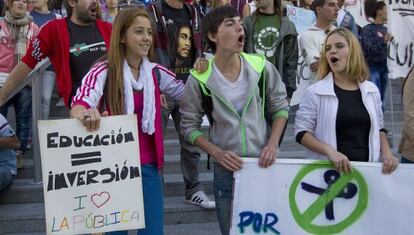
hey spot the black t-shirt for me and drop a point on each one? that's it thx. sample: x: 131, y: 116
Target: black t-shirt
x: 181, y: 50
x: 352, y: 125
x: 86, y: 47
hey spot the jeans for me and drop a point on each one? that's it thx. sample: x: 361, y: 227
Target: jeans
x: 48, y: 84
x: 22, y: 103
x: 6, y: 179
x: 223, y: 195
x: 189, y: 154
x: 379, y: 76
x: 153, y: 203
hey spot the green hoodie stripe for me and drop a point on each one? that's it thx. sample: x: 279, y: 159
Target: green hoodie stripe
x: 194, y: 135
x: 281, y: 113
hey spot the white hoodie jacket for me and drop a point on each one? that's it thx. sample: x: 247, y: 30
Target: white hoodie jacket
x: 318, y: 109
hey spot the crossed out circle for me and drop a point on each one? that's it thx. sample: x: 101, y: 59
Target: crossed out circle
x: 305, y: 219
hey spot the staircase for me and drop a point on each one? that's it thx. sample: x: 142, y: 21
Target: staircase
x: 22, y: 206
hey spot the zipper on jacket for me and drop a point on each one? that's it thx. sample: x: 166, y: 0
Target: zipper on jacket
x: 243, y: 126
x: 241, y: 119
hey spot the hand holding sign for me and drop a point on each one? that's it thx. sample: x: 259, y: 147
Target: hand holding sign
x: 90, y: 118
x: 340, y: 161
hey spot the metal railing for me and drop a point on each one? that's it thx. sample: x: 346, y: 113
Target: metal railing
x: 33, y: 78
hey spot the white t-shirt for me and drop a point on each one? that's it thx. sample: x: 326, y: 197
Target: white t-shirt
x: 311, y: 42
x: 235, y: 91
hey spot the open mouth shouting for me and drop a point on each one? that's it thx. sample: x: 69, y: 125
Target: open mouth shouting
x: 334, y: 60
x: 93, y: 10
x: 240, y: 39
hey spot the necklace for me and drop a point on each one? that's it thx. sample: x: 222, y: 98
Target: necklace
x: 134, y: 67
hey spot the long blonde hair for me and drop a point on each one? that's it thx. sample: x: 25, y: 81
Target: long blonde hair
x: 356, y: 66
x: 116, y: 56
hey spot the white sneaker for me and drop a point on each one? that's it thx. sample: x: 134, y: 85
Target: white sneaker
x: 201, y: 199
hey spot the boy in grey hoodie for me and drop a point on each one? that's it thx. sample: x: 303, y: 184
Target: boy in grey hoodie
x: 243, y: 89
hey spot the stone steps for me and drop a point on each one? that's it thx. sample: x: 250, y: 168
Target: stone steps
x: 30, y: 217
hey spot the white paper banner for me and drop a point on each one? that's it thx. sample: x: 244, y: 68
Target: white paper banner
x: 91, y: 180
x: 305, y: 197
x: 401, y: 26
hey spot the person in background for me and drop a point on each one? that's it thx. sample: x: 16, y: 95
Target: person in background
x: 73, y: 44
x: 269, y: 33
x: 203, y: 6
x: 2, y: 6
x: 306, y: 4
x: 58, y: 7
x: 239, y: 128
x: 171, y: 17
x: 374, y: 39
x: 237, y: 4
x: 340, y: 117
x: 125, y: 4
x: 111, y: 11
x: 406, y: 147
x: 8, y: 144
x: 16, y: 30
x: 129, y: 83
x: 41, y: 14
x: 219, y: 3
x: 345, y: 19
x: 249, y: 9
x: 311, y: 40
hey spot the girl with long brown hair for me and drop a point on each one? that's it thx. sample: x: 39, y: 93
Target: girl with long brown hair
x: 126, y: 83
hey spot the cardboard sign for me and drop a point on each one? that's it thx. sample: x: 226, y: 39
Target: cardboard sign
x: 91, y: 180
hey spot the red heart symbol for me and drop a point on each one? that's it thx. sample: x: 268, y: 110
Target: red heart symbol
x: 99, y: 199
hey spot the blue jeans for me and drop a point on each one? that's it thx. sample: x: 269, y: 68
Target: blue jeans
x: 379, y: 76
x: 223, y: 194
x: 153, y: 203
x: 405, y: 160
x: 6, y: 179
x: 48, y: 84
x: 22, y: 103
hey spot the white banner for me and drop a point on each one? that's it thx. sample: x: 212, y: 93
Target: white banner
x: 302, y: 19
x: 91, y: 180
x: 307, y: 197
x: 401, y: 26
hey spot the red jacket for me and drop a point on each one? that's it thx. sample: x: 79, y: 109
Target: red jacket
x: 52, y: 41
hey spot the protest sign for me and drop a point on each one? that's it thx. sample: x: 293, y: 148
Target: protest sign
x: 91, y: 180
x: 308, y: 197
x: 302, y: 19
x: 401, y: 48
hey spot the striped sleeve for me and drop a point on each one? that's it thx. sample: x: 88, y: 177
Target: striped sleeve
x: 91, y: 89
x: 168, y: 83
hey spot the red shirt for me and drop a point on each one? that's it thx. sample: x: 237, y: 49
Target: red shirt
x: 53, y: 41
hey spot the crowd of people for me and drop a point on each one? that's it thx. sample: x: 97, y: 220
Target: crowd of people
x: 149, y: 58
